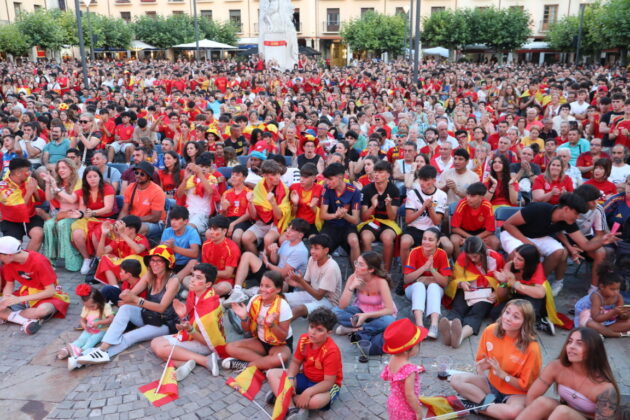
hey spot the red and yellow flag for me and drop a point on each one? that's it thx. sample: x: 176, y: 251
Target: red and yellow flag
x: 283, y: 399
x: 168, y: 390
x: 439, y: 406
x: 209, y: 320
x: 248, y: 382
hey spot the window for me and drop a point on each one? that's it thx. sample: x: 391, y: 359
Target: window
x: 364, y: 10
x: 400, y: 11
x: 36, y: 7
x: 17, y: 7
x: 481, y: 8
x: 126, y: 16
x: 235, y: 18
x: 435, y: 9
x: 152, y: 14
x: 206, y: 13
x: 332, y: 20
x: 62, y: 5
x: 296, y: 20
x: 518, y: 7
x: 550, y: 16
x: 178, y: 12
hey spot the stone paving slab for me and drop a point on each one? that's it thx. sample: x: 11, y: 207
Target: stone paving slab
x: 110, y: 391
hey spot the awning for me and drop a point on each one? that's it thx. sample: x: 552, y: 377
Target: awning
x: 206, y: 44
x: 441, y: 51
x: 137, y: 45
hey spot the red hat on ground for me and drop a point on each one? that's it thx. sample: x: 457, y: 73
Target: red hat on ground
x: 401, y: 335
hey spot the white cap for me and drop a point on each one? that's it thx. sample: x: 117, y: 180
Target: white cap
x: 9, y: 245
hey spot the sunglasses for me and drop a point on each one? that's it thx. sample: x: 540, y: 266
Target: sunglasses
x: 84, y: 122
x: 139, y: 172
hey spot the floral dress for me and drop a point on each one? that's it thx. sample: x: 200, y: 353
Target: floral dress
x: 397, y: 406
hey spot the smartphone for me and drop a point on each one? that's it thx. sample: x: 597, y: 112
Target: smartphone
x: 615, y: 228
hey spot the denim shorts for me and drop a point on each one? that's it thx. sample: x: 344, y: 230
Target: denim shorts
x: 302, y: 383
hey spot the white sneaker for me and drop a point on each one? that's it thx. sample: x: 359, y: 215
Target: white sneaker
x: 213, y: 364
x: 73, y: 363
x: 237, y: 296
x: 556, y: 287
x: 85, y: 267
x: 184, y: 370
x: 94, y: 357
x: 251, y: 292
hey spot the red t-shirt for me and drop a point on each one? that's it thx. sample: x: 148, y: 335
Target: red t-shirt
x: 304, y: 210
x: 586, y: 159
x: 99, y: 203
x: 124, y: 132
x: 121, y: 249
x: 319, y: 362
x: 473, y: 220
x: 537, y: 278
x: 36, y: 272
x: 221, y: 255
x: 167, y: 180
x: 238, y: 202
x: 606, y: 187
x: 417, y: 259
x: 498, y: 199
x: 540, y: 183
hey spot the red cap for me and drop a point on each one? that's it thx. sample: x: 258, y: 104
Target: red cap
x: 401, y: 335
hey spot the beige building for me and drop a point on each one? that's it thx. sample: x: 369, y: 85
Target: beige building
x: 12, y: 8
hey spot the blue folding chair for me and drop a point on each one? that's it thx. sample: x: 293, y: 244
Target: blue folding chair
x: 122, y: 167
x: 502, y: 214
x: 226, y: 172
x: 243, y: 159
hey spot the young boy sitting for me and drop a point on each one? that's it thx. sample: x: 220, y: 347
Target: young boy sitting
x: 305, y: 196
x: 234, y: 205
x: 183, y: 239
x: 319, y: 358
x: 222, y: 253
x: 201, y: 191
x: 130, y: 273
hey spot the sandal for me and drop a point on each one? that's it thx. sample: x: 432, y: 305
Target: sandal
x: 63, y: 353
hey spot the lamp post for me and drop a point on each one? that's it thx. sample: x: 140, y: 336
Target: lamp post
x: 87, y: 5
x: 196, y: 30
x: 77, y: 8
x: 416, y: 44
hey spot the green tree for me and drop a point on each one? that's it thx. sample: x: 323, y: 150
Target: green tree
x: 151, y: 30
x: 218, y: 31
x: 13, y: 41
x: 447, y: 28
x: 506, y: 29
x: 563, y: 34
x: 41, y: 28
x: 615, y: 25
x: 113, y: 33
x: 375, y: 32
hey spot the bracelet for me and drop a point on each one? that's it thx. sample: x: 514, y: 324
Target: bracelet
x: 82, y: 214
x: 141, y: 302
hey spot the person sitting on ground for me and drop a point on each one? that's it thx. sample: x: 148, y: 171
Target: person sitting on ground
x: 471, y: 292
x: 118, y: 242
x: 584, y: 381
x: 130, y: 272
x: 201, y: 339
x: 473, y: 216
x: 153, y: 316
x: 39, y: 297
x: 316, y: 370
x: 222, y: 253
x: 509, y: 352
x: 234, y: 205
x: 183, y: 239
x: 199, y: 187
x: 268, y: 317
x: 320, y: 286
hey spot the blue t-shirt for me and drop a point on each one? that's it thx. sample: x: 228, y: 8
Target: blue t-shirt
x: 189, y: 237
x: 296, y: 256
x: 350, y: 199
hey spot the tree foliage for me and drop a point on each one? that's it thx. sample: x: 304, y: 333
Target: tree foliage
x: 12, y: 41
x: 41, y: 28
x: 563, y: 34
x: 447, y: 28
x: 375, y: 32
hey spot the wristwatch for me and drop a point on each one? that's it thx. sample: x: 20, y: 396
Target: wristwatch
x: 507, y: 379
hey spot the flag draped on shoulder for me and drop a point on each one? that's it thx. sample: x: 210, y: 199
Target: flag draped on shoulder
x: 283, y: 398
x: 248, y: 382
x: 264, y: 208
x: 166, y: 393
x: 208, y: 319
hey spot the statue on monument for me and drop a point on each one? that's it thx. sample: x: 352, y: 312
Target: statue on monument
x: 277, y: 39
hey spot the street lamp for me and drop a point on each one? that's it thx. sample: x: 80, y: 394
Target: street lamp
x: 77, y: 9
x: 196, y: 30
x: 87, y: 5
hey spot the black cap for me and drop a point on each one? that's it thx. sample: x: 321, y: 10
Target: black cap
x: 146, y: 167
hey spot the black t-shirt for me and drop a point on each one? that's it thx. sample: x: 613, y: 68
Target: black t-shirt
x: 303, y: 160
x: 369, y: 191
x: 515, y: 167
x: 606, y: 118
x: 538, y: 222
x: 238, y: 145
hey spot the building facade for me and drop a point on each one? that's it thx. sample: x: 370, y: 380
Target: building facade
x: 12, y: 8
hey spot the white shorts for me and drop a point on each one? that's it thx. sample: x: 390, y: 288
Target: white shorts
x: 260, y: 229
x: 546, y: 245
x: 193, y: 345
x: 304, y: 298
x: 200, y: 221
x: 120, y: 147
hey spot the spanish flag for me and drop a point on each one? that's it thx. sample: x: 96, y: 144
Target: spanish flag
x: 283, y: 399
x: 248, y: 382
x: 440, y: 406
x: 209, y: 320
x: 554, y: 316
x: 168, y: 389
x: 263, y: 206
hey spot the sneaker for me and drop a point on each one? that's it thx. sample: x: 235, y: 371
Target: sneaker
x: 544, y: 325
x: 270, y: 398
x: 73, y: 363
x: 556, y: 287
x: 433, y: 332
x: 341, y: 330
x: 445, y: 331
x: 251, y: 291
x: 31, y: 327
x: 237, y: 296
x: 94, y: 357
x: 295, y: 413
x: 184, y: 370
x: 235, y: 321
x: 85, y: 267
x: 456, y: 333
x: 234, y: 364
x: 213, y: 364
x: 469, y: 405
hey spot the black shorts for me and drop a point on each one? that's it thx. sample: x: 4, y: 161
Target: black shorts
x: 415, y: 233
x: 338, y: 235
x: 242, y: 226
x: 268, y: 347
x: 474, y: 232
x: 376, y: 231
x: 254, y: 279
x: 18, y: 230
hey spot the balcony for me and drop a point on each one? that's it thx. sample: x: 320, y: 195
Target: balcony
x: 331, y: 27
x: 122, y: 2
x: 148, y: 1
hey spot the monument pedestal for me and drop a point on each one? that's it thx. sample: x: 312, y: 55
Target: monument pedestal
x: 275, y: 47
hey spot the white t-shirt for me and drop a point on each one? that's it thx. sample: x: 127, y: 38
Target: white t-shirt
x: 424, y: 222
x: 577, y: 109
x: 290, y: 177
x: 461, y: 180
x: 285, y: 315
x: 618, y: 174
x: 327, y: 277
x: 38, y: 143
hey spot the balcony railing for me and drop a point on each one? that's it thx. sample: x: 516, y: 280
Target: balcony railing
x: 331, y: 26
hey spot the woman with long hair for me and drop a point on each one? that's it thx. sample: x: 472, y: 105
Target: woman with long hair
x: 584, y: 382
x: 471, y: 292
x: 97, y: 202
x: 508, y: 362
x: 60, y: 189
x: 172, y: 174
x: 153, y: 316
x: 502, y: 190
x: 191, y: 151
x: 550, y: 185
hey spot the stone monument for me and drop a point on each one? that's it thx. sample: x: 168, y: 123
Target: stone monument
x: 277, y: 39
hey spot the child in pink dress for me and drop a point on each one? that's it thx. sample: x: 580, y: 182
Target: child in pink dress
x: 402, y: 340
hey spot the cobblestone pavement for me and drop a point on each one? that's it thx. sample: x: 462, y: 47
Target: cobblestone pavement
x: 36, y: 386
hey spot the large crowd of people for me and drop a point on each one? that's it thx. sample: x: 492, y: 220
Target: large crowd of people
x: 191, y: 191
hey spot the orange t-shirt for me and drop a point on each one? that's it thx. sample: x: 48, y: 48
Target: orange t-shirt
x: 145, y: 201
x: 523, y: 367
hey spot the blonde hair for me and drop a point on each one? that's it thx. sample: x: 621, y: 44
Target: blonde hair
x: 528, y: 333
x: 72, y: 179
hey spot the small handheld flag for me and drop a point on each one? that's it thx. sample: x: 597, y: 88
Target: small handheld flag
x: 248, y: 382
x: 163, y: 391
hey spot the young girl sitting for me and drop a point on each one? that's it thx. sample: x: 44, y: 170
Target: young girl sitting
x: 402, y: 340
x: 96, y: 316
x: 604, y: 310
